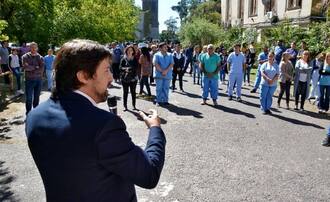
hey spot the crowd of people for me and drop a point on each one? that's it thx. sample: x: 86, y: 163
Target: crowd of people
x: 162, y: 64
x: 209, y: 66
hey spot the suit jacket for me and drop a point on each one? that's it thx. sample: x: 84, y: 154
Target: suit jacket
x: 84, y: 153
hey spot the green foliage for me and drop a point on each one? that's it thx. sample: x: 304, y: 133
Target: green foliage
x: 316, y: 35
x: 55, y: 21
x: 182, y: 8
x: 170, y: 33
x: 3, y: 25
x: 209, y: 10
x: 199, y: 31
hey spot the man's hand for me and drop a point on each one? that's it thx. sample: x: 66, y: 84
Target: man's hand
x: 270, y: 81
x: 164, y: 73
x: 152, y: 119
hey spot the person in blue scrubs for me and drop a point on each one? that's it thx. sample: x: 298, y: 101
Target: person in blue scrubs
x: 236, y: 65
x: 163, y: 62
x: 262, y: 58
x: 270, y: 73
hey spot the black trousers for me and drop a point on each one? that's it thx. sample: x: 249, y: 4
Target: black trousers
x: 284, y: 87
x: 188, y: 63
x: 115, y: 70
x: 301, y: 91
x: 5, y: 68
x: 174, y: 76
x: 132, y: 87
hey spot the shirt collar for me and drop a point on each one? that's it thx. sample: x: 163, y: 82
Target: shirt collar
x: 86, y: 96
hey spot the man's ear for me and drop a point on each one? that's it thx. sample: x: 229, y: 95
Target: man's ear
x: 82, y: 77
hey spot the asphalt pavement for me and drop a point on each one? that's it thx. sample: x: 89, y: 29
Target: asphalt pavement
x: 231, y: 152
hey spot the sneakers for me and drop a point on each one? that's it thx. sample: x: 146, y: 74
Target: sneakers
x: 321, y: 111
x: 20, y: 92
x: 296, y: 108
x: 230, y: 98
x: 215, y: 103
x: 287, y: 106
x: 326, y: 142
x: 239, y: 99
x: 203, y: 102
x: 266, y: 112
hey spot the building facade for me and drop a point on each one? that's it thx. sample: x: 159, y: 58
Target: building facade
x: 264, y: 13
x: 149, y: 25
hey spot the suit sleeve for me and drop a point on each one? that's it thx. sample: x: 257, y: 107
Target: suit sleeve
x: 119, y: 155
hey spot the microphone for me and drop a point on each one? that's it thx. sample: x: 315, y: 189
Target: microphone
x: 112, y: 104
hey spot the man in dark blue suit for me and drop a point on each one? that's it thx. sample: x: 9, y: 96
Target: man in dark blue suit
x: 84, y: 153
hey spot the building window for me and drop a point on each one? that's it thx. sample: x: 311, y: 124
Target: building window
x: 293, y: 4
x: 253, y: 8
x: 241, y: 9
x: 270, y: 6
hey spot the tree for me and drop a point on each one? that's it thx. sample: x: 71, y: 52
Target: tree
x: 199, y: 32
x: 171, y: 24
x: 182, y: 9
x: 209, y: 10
x: 3, y: 25
x: 170, y: 33
x: 56, y: 21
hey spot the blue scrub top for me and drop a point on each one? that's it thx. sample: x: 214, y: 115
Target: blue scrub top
x: 236, y: 63
x: 164, y: 61
x: 325, y: 79
x: 270, y: 71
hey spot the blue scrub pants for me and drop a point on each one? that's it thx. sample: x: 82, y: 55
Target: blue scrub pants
x: 162, y: 89
x: 238, y: 79
x: 210, y: 85
x: 266, y: 97
x: 49, y: 74
x: 258, y: 79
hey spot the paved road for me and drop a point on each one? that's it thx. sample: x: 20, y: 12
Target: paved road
x: 227, y: 153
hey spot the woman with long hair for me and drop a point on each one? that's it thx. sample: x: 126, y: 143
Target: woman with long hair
x: 303, y: 71
x: 324, y: 83
x: 128, y: 75
x: 286, y: 77
x: 146, y: 68
x: 317, y: 65
x: 270, y: 73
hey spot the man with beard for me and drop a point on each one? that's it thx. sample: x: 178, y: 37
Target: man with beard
x: 84, y: 153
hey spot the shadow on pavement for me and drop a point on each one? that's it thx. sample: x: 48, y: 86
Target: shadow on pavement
x: 191, y: 95
x: 5, y: 179
x: 258, y: 106
x: 295, y: 121
x: 250, y: 96
x: 183, y: 111
x: 234, y: 111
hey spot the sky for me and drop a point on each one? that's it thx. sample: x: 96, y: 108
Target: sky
x: 164, y: 11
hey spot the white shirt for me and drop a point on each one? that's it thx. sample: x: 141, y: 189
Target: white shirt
x: 86, y: 96
x: 177, y: 55
x: 14, y: 61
